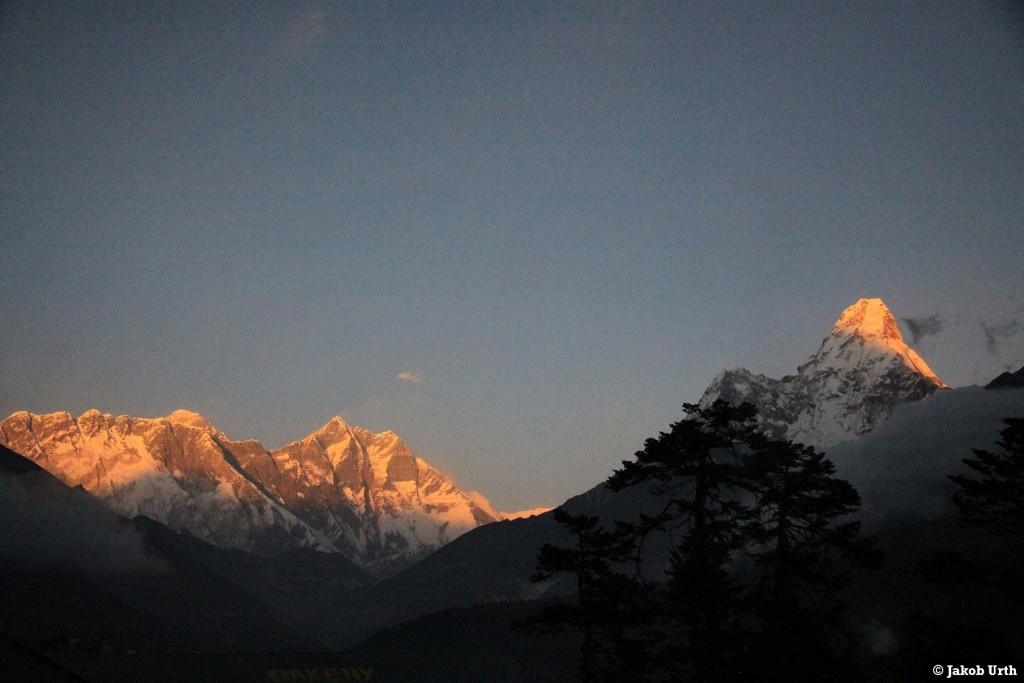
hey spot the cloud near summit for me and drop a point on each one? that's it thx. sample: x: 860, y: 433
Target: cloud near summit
x: 920, y: 328
x: 411, y: 377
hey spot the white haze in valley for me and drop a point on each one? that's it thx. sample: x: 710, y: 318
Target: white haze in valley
x: 901, y: 467
x: 40, y: 524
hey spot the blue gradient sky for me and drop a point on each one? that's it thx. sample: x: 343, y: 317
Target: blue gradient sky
x: 559, y: 220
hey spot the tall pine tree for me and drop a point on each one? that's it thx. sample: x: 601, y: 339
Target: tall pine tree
x: 726, y: 496
x: 996, y: 499
x: 994, y: 502
x: 801, y: 539
x: 696, y: 469
x: 610, y: 605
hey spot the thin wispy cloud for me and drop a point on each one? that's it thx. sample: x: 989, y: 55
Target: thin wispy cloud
x: 927, y: 326
x: 411, y: 377
x: 994, y: 332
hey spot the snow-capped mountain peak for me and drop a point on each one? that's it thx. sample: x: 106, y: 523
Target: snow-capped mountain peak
x: 868, y: 318
x: 858, y: 375
x: 868, y: 330
x: 190, y: 419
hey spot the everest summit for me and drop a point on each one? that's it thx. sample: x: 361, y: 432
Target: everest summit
x: 861, y: 372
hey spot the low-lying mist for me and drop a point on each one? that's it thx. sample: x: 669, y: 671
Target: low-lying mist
x: 43, y: 524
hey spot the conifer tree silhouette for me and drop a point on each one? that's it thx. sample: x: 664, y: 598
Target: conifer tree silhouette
x: 994, y: 502
x: 996, y: 499
x: 697, y: 470
x: 609, y: 607
x: 727, y: 497
x: 801, y: 540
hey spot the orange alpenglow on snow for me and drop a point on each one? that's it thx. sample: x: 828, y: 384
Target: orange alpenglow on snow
x: 871, y: 320
x: 858, y: 376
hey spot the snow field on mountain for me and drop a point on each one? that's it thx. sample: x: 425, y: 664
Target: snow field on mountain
x: 861, y: 371
x: 340, y: 489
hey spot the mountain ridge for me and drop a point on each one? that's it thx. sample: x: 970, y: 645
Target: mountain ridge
x: 861, y: 371
x: 339, y: 489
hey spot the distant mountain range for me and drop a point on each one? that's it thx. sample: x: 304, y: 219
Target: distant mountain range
x: 340, y: 489
x: 68, y: 563
x: 345, y: 489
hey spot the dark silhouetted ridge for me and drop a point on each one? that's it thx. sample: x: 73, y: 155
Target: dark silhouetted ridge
x: 1008, y: 380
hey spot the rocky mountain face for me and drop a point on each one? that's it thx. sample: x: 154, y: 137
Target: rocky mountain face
x: 862, y: 371
x: 369, y: 492
x: 341, y: 489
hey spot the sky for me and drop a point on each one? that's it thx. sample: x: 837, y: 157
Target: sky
x: 519, y: 235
